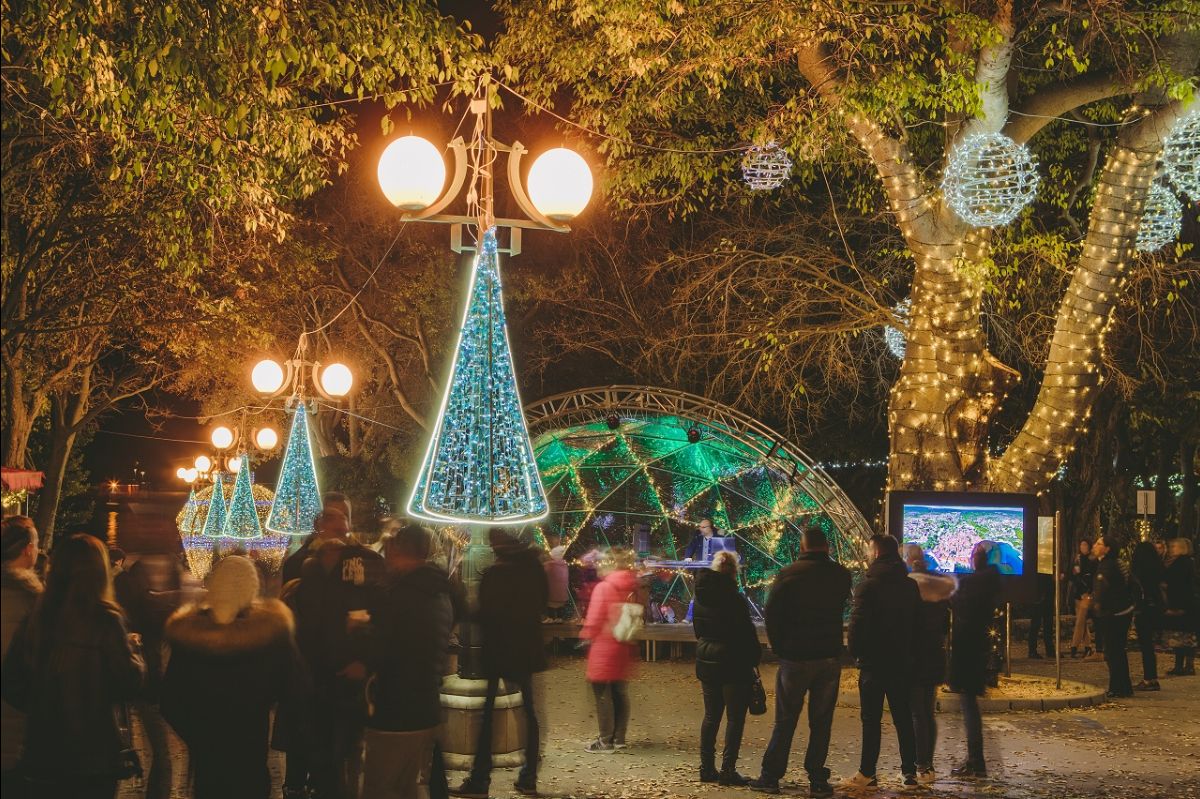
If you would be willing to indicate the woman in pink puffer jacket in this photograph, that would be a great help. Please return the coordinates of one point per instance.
(610, 662)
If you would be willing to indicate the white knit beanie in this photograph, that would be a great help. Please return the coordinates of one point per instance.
(232, 586)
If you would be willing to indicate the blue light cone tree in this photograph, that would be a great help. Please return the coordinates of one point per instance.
(214, 520)
(242, 520)
(297, 494)
(479, 464)
(191, 513)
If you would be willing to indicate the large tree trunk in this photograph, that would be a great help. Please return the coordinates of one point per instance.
(20, 413)
(64, 418)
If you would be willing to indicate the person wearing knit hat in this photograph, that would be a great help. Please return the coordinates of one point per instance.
(233, 657)
(19, 590)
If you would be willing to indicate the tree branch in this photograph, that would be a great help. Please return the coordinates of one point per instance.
(1058, 99)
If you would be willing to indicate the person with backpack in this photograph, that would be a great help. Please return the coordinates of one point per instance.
(612, 622)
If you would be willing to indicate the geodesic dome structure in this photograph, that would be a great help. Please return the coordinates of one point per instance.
(621, 463)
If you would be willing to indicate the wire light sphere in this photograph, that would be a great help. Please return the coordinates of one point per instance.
(893, 337)
(1162, 220)
(989, 178)
(1181, 155)
(766, 167)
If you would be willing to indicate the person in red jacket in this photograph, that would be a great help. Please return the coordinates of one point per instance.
(611, 662)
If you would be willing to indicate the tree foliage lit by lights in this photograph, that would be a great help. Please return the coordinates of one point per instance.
(868, 104)
(479, 464)
(297, 494)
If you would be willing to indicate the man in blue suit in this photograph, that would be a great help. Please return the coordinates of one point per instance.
(701, 546)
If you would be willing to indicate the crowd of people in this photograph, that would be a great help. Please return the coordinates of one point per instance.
(342, 671)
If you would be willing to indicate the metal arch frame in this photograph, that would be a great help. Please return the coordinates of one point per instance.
(594, 404)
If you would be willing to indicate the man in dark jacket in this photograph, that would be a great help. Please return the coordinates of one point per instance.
(512, 597)
(410, 635)
(974, 605)
(929, 663)
(883, 620)
(332, 522)
(804, 625)
(1114, 610)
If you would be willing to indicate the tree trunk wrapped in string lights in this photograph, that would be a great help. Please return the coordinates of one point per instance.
(479, 464)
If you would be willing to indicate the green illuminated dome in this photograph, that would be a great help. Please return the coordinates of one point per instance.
(617, 457)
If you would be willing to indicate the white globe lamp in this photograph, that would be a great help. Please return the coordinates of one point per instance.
(267, 376)
(203, 464)
(222, 437)
(235, 464)
(336, 379)
(266, 438)
(181, 472)
(560, 184)
(411, 173)
(190, 475)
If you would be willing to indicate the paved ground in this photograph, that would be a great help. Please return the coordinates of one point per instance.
(1145, 748)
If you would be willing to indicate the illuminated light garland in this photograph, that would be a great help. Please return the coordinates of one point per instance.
(214, 520)
(479, 464)
(1181, 155)
(1162, 219)
(766, 167)
(989, 178)
(894, 338)
(241, 522)
(297, 494)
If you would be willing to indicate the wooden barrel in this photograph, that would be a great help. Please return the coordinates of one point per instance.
(462, 718)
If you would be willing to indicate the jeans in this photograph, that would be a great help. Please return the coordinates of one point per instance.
(395, 762)
(1116, 636)
(820, 680)
(872, 689)
(923, 698)
(1080, 638)
(1148, 622)
(612, 710)
(481, 769)
(730, 700)
(973, 721)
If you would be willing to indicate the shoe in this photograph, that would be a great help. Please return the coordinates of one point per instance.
(969, 771)
(1118, 695)
(764, 785)
(860, 780)
(295, 793)
(927, 776)
(709, 774)
(732, 778)
(526, 788)
(1148, 685)
(908, 782)
(598, 747)
(471, 790)
(620, 745)
(819, 790)
(1074, 652)
(1035, 656)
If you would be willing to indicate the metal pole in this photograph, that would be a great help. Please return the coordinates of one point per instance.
(1007, 639)
(1057, 606)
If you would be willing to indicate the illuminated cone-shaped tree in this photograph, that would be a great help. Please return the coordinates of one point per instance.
(214, 521)
(190, 522)
(297, 495)
(479, 464)
(242, 520)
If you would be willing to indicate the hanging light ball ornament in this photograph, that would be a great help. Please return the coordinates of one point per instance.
(766, 167)
(1181, 155)
(989, 178)
(1162, 219)
(893, 337)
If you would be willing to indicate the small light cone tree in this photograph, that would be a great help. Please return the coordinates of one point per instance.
(241, 522)
(479, 465)
(214, 520)
(297, 494)
(189, 522)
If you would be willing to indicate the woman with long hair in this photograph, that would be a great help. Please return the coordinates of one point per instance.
(1183, 607)
(74, 664)
(1083, 572)
(1146, 576)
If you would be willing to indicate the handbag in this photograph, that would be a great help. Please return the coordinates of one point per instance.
(630, 620)
(758, 696)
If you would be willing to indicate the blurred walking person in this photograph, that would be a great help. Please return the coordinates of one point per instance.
(1182, 616)
(804, 616)
(1079, 581)
(410, 638)
(610, 661)
(883, 624)
(929, 667)
(19, 592)
(512, 598)
(727, 652)
(71, 662)
(974, 606)
(1147, 576)
(1114, 609)
(232, 658)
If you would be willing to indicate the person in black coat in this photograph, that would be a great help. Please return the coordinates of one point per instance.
(411, 622)
(1114, 609)
(883, 623)
(974, 606)
(727, 652)
(1079, 591)
(805, 615)
(1146, 577)
(929, 663)
(512, 597)
(1182, 616)
(232, 658)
